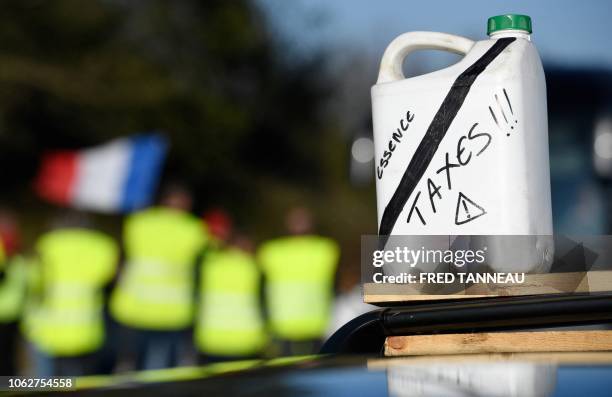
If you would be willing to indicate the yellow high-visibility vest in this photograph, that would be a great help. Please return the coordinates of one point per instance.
(155, 291)
(229, 320)
(299, 274)
(74, 266)
(12, 287)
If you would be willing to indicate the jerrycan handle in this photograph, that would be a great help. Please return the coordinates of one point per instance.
(396, 52)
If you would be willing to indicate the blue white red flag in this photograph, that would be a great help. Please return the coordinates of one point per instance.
(120, 176)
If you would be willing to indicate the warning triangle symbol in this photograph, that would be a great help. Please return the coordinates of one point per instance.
(467, 210)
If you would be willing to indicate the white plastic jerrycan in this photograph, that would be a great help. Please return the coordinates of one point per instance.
(464, 150)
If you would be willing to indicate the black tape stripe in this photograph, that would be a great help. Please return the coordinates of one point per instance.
(436, 131)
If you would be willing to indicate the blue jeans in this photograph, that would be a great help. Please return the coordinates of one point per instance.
(158, 349)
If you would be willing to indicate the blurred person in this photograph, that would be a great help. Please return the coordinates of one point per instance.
(229, 324)
(299, 274)
(154, 297)
(220, 226)
(10, 233)
(65, 322)
(12, 291)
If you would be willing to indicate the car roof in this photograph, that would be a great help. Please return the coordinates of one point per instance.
(554, 374)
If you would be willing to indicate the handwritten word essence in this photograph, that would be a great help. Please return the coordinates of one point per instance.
(396, 139)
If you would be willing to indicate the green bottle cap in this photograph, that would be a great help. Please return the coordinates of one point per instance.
(508, 22)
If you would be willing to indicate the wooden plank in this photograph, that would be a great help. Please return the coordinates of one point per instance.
(380, 299)
(499, 342)
(577, 358)
(535, 284)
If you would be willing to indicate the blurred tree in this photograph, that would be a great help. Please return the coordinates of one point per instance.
(208, 74)
(249, 124)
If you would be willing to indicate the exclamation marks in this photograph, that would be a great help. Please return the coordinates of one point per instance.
(467, 212)
(510, 107)
(500, 108)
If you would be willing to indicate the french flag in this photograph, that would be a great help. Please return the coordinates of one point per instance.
(120, 176)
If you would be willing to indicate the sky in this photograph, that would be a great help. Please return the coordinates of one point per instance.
(569, 33)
